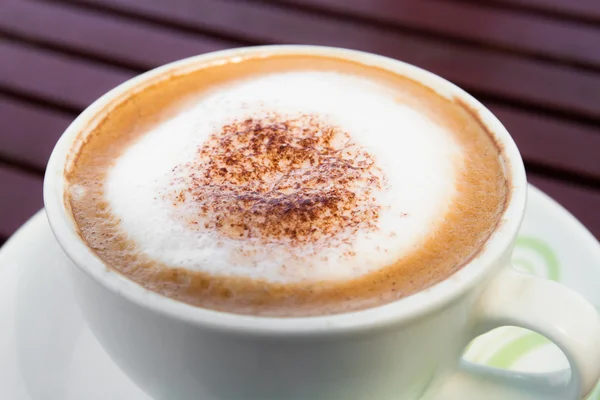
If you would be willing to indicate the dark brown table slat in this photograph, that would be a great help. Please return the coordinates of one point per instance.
(59, 79)
(551, 142)
(28, 133)
(111, 38)
(531, 35)
(542, 140)
(581, 202)
(20, 199)
(582, 9)
(480, 70)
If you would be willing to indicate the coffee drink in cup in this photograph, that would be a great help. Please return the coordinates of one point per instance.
(285, 185)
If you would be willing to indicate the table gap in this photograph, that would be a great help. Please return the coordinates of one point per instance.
(560, 174)
(21, 165)
(39, 101)
(69, 51)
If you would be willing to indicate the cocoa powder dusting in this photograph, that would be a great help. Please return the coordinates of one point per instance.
(275, 178)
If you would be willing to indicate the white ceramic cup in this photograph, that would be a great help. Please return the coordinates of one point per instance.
(409, 349)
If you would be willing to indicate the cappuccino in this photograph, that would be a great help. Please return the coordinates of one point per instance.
(286, 185)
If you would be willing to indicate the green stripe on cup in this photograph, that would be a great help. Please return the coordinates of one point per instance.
(595, 395)
(481, 357)
(513, 351)
(544, 251)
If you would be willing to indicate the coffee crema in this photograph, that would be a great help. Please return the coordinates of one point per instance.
(286, 185)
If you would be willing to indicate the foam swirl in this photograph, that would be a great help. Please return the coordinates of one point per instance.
(288, 177)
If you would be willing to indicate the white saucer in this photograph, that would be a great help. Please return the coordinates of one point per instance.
(48, 353)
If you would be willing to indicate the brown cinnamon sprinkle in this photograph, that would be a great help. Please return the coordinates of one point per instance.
(276, 178)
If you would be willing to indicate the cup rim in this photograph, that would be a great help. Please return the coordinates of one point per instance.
(397, 312)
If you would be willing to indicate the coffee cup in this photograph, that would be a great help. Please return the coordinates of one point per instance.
(404, 348)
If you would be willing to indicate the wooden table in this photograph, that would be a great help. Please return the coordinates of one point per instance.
(535, 63)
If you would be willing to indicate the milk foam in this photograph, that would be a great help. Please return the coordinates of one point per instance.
(418, 157)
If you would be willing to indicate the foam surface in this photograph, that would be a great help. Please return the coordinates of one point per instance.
(417, 160)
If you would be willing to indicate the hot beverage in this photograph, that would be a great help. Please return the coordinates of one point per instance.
(286, 185)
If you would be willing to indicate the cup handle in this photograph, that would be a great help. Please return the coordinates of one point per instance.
(543, 306)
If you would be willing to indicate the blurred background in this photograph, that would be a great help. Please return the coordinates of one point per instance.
(534, 63)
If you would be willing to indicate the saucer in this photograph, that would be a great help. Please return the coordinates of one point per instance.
(48, 353)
